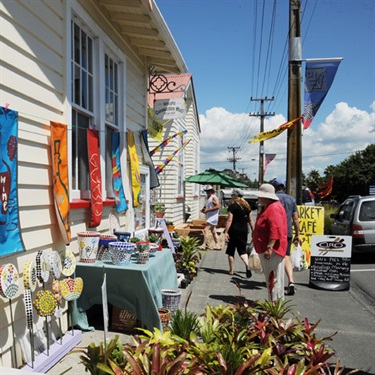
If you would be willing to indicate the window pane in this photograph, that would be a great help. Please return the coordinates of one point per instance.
(111, 91)
(108, 162)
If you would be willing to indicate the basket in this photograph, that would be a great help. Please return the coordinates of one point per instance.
(171, 299)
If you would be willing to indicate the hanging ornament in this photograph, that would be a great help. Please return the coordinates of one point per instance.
(28, 309)
(29, 275)
(42, 266)
(9, 280)
(55, 265)
(68, 263)
(45, 303)
(71, 289)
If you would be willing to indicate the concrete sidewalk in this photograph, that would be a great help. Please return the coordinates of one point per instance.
(341, 312)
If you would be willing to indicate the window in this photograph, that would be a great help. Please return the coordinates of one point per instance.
(82, 111)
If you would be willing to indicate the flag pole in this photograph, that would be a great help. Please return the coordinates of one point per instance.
(294, 138)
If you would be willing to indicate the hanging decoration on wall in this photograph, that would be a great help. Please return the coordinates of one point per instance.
(59, 150)
(42, 266)
(135, 170)
(118, 188)
(160, 167)
(95, 177)
(9, 280)
(155, 127)
(29, 275)
(166, 141)
(68, 261)
(10, 234)
(154, 180)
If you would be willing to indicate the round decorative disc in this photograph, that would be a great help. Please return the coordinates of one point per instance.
(45, 303)
(71, 289)
(55, 264)
(68, 263)
(56, 291)
(28, 309)
(29, 275)
(42, 266)
(9, 280)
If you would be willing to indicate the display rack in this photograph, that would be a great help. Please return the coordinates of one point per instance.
(167, 235)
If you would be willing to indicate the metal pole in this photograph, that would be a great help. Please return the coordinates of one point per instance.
(294, 142)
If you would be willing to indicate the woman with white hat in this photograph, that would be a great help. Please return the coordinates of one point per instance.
(270, 240)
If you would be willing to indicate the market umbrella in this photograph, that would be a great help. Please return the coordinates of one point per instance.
(213, 177)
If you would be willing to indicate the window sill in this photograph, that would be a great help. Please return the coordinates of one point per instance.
(82, 203)
(180, 199)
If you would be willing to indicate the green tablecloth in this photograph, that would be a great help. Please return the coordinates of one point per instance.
(134, 287)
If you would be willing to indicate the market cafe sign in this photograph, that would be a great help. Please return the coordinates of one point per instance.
(169, 109)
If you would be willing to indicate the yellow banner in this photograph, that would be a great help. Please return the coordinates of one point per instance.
(155, 127)
(135, 170)
(275, 132)
(311, 221)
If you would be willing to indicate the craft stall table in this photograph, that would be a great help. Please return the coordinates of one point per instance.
(134, 287)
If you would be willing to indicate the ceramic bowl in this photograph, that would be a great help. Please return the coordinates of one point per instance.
(121, 252)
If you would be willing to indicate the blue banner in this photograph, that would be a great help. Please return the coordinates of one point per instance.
(319, 75)
(118, 188)
(10, 234)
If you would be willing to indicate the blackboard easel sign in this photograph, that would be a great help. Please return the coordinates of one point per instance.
(330, 262)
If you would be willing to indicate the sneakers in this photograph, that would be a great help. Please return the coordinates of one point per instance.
(291, 290)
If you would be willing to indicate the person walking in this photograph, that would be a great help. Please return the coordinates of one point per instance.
(211, 210)
(270, 240)
(290, 206)
(236, 230)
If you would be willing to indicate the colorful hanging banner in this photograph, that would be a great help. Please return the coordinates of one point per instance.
(155, 127)
(325, 189)
(154, 180)
(267, 160)
(95, 177)
(10, 234)
(59, 149)
(160, 167)
(166, 141)
(135, 170)
(118, 189)
(275, 132)
(319, 75)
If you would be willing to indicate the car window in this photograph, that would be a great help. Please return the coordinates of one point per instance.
(367, 211)
(345, 211)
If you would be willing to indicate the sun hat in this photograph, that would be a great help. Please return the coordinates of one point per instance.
(278, 182)
(209, 187)
(266, 191)
(237, 193)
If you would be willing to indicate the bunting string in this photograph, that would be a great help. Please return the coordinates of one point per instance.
(166, 141)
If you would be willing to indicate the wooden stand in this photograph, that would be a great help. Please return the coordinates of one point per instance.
(162, 223)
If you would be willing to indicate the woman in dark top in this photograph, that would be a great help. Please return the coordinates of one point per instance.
(236, 230)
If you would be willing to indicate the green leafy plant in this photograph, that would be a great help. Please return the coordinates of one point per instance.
(169, 222)
(176, 235)
(190, 254)
(153, 238)
(134, 239)
(159, 207)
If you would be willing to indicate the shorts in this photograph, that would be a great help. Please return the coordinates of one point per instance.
(239, 242)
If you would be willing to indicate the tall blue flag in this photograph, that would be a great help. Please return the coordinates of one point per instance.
(10, 233)
(319, 75)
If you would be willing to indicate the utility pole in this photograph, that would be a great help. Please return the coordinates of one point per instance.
(233, 159)
(262, 115)
(294, 146)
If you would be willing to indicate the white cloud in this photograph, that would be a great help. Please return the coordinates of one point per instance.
(346, 130)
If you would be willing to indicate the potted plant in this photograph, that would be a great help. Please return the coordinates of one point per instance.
(191, 255)
(134, 239)
(159, 209)
(170, 226)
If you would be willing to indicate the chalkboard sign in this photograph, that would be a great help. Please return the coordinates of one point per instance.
(330, 262)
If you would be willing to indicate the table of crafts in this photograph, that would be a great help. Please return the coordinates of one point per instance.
(134, 287)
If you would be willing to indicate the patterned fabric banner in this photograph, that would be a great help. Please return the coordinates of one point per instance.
(95, 177)
(59, 149)
(319, 75)
(165, 142)
(275, 132)
(325, 189)
(134, 164)
(154, 180)
(118, 188)
(160, 167)
(155, 127)
(10, 234)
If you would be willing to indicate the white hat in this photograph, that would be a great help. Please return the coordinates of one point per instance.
(266, 191)
(209, 187)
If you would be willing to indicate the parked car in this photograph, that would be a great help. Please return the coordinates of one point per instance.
(307, 197)
(356, 217)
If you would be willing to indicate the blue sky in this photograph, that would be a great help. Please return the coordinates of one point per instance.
(225, 50)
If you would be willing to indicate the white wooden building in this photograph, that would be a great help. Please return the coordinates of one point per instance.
(82, 63)
(180, 198)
